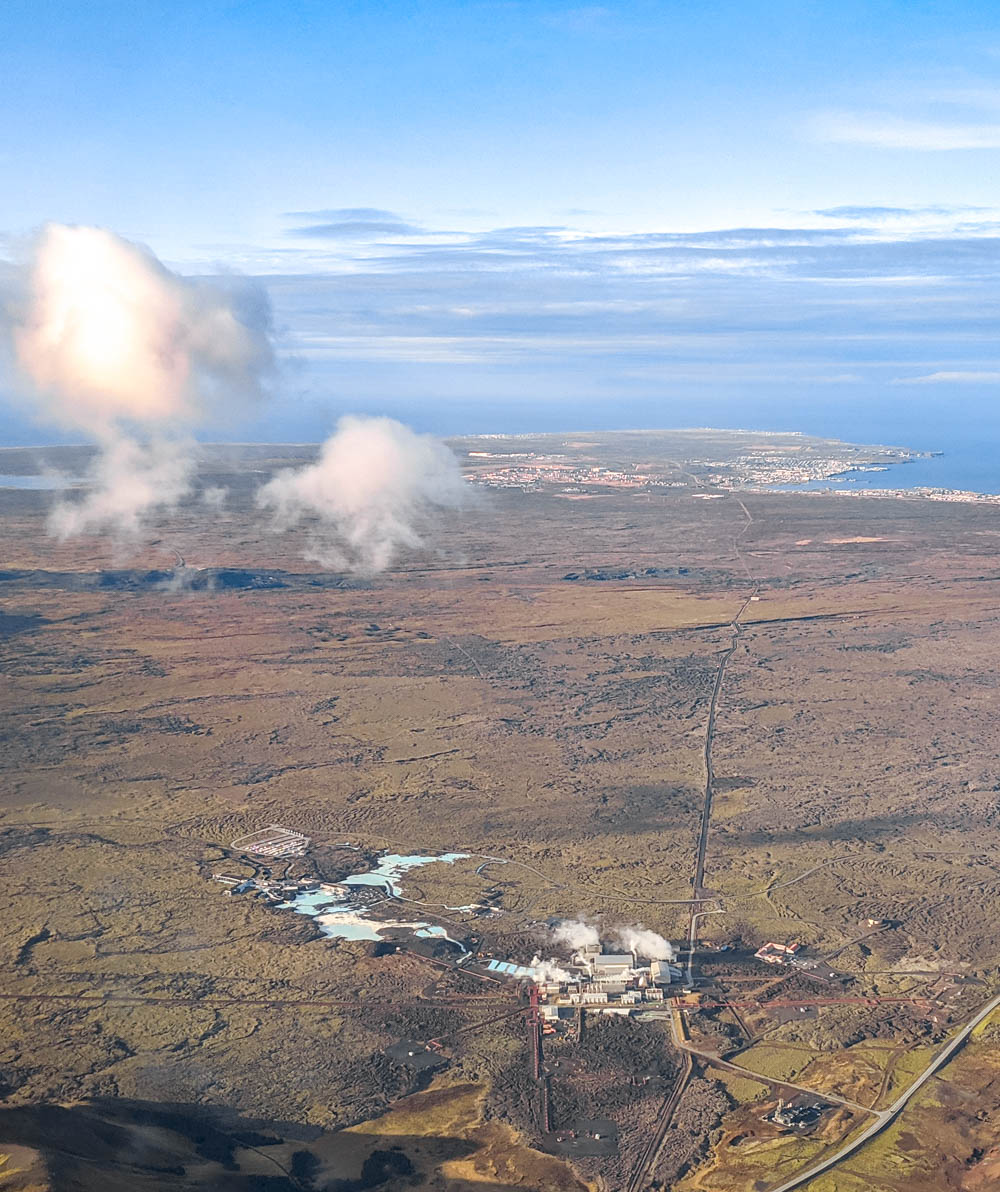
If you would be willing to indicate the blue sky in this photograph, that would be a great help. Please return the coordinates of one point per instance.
(516, 215)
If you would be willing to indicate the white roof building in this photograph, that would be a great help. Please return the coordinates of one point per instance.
(662, 973)
(610, 965)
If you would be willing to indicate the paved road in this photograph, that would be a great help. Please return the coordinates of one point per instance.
(713, 707)
(885, 1116)
(698, 883)
(710, 1057)
(882, 1117)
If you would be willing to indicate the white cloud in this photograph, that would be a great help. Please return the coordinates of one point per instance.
(127, 482)
(108, 334)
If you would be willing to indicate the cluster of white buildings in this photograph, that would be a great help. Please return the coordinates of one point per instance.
(531, 473)
(613, 981)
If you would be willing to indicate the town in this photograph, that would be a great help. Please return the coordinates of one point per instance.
(760, 469)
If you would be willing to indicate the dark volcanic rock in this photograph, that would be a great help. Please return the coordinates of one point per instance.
(186, 579)
(599, 574)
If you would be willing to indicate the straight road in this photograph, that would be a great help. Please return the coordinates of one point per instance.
(698, 882)
(713, 707)
(651, 1152)
(882, 1117)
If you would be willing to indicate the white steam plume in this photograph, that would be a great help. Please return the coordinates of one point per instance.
(128, 479)
(646, 944)
(575, 933)
(549, 970)
(113, 344)
(370, 494)
(214, 497)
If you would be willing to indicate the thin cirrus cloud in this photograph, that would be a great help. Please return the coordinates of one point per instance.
(881, 131)
(351, 223)
(345, 213)
(878, 215)
(951, 378)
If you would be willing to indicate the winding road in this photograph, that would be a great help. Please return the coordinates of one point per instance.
(885, 1116)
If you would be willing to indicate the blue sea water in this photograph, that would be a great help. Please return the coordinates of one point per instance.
(964, 436)
(964, 433)
(965, 440)
(962, 467)
(964, 428)
(47, 482)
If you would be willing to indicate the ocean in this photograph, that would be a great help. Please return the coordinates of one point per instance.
(960, 466)
(965, 430)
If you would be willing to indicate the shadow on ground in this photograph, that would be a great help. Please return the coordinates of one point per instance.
(134, 1146)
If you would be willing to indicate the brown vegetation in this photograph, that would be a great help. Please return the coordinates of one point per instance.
(484, 702)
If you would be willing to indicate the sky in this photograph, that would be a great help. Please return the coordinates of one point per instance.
(516, 216)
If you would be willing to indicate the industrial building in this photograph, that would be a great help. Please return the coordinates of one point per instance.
(792, 1115)
(661, 972)
(609, 982)
(609, 966)
(772, 953)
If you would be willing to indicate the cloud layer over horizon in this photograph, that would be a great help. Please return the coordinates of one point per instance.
(536, 327)
(787, 327)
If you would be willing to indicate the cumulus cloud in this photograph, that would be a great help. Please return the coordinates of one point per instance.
(575, 933)
(371, 494)
(646, 944)
(110, 342)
